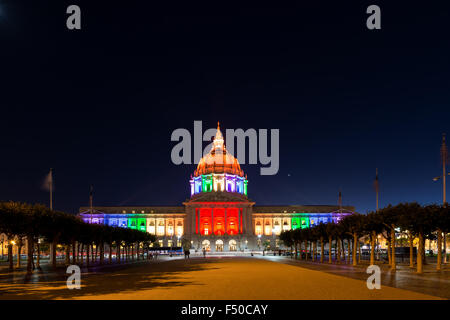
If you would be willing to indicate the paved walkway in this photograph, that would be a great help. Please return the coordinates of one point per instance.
(221, 278)
(430, 282)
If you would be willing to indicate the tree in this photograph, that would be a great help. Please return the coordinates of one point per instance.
(331, 230)
(287, 239)
(372, 226)
(353, 226)
(320, 231)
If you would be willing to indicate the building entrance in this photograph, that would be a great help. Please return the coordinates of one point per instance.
(233, 245)
(219, 245)
(206, 245)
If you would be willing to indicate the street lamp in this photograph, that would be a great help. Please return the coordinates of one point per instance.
(273, 235)
(259, 241)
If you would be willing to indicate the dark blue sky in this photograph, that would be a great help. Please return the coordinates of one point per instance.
(99, 105)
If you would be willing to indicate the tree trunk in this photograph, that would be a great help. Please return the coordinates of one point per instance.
(313, 251)
(394, 264)
(296, 251)
(137, 251)
(330, 242)
(439, 249)
(81, 252)
(30, 247)
(88, 248)
(359, 252)
(118, 253)
(110, 253)
(445, 247)
(424, 257)
(38, 256)
(348, 251)
(372, 248)
(10, 257)
(19, 250)
(96, 252)
(411, 250)
(67, 255)
(389, 253)
(53, 252)
(355, 245)
(322, 249)
(338, 256)
(306, 250)
(74, 252)
(419, 254)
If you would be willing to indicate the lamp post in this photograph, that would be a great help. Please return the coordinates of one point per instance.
(273, 235)
(444, 158)
(259, 241)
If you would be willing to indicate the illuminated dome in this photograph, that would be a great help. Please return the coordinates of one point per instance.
(218, 160)
(218, 171)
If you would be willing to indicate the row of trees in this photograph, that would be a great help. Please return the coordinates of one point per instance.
(83, 242)
(412, 220)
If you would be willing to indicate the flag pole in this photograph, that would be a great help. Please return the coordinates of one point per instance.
(90, 199)
(376, 181)
(376, 191)
(444, 155)
(51, 188)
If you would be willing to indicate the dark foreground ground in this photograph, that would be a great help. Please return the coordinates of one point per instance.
(222, 278)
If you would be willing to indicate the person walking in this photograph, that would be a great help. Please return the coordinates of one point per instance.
(204, 252)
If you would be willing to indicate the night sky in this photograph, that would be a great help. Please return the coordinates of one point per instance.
(99, 104)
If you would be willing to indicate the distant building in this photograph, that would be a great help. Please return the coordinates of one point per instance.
(219, 216)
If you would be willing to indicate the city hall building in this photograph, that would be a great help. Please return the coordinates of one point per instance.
(219, 216)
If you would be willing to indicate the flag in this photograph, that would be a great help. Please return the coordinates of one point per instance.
(444, 151)
(48, 181)
(340, 199)
(91, 191)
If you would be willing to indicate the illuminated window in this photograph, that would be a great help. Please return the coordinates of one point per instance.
(132, 211)
(151, 227)
(179, 228)
(268, 228)
(258, 228)
(206, 245)
(170, 228)
(233, 245)
(160, 243)
(169, 243)
(160, 228)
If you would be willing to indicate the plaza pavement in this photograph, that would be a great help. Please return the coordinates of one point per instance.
(221, 278)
